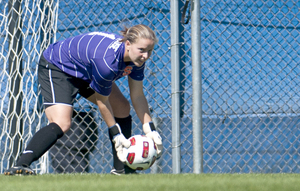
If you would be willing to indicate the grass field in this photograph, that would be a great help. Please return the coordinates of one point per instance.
(153, 182)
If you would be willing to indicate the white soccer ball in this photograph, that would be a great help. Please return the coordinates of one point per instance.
(141, 154)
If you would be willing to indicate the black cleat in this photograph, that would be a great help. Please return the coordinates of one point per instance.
(129, 170)
(19, 170)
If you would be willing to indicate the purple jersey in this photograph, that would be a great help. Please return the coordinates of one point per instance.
(95, 57)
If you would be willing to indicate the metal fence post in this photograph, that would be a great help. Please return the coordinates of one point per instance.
(175, 65)
(197, 88)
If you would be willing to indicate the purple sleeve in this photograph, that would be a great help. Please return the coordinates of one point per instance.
(138, 73)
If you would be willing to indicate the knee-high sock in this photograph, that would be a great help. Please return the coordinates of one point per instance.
(40, 143)
(126, 126)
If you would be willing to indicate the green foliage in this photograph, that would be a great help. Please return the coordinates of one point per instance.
(152, 182)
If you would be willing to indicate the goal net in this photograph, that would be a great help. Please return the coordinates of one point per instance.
(27, 28)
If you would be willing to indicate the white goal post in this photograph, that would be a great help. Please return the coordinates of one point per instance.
(27, 27)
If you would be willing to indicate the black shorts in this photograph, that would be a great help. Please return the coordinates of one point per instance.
(58, 87)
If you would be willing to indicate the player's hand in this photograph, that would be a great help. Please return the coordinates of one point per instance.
(119, 141)
(149, 130)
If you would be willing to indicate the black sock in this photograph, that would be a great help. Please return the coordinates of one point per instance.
(125, 125)
(40, 143)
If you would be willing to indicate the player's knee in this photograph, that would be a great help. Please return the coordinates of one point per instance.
(64, 125)
(125, 108)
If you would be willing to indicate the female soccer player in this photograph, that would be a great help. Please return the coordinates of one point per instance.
(89, 64)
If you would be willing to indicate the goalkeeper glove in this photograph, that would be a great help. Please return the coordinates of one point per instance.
(150, 131)
(119, 141)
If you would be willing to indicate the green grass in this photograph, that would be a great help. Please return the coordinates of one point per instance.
(153, 182)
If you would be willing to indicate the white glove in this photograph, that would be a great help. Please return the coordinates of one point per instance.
(149, 130)
(119, 141)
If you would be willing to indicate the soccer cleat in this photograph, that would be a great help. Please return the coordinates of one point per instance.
(127, 170)
(117, 172)
(19, 170)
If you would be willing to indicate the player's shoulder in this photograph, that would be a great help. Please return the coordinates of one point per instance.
(105, 34)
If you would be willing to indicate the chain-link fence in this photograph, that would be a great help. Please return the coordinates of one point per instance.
(250, 83)
(250, 57)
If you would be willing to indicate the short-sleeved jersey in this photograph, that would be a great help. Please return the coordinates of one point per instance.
(96, 57)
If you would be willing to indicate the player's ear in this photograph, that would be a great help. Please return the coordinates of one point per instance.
(127, 43)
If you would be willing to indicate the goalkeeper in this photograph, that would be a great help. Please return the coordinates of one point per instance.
(89, 64)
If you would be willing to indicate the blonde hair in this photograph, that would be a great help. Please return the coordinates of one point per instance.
(136, 32)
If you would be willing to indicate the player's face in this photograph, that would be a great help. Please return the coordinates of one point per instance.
(139, 51)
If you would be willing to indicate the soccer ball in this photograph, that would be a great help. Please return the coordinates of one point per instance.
(141, 154)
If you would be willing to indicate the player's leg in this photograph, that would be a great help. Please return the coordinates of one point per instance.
(121, 109)
(43, 139)
(59, 117)
(126, 127)
(120, 105)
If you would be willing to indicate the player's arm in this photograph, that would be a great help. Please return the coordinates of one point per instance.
(141, 108)
(139, 101)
